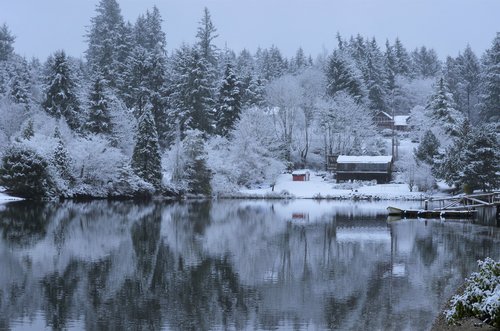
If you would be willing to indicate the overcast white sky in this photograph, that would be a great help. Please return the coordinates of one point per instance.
(43, 26)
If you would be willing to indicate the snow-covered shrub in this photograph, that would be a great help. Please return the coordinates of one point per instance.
(24, 172)
(481, 297)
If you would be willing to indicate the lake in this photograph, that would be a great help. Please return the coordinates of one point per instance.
(237, 265)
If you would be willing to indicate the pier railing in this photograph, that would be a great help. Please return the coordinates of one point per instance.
(466, 201)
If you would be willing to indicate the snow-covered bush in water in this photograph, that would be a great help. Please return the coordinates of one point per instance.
(24, 172)
(481, 297)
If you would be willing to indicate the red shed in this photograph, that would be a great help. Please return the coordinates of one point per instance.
(300, 175)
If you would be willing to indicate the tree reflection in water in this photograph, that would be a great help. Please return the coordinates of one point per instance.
(229, 265)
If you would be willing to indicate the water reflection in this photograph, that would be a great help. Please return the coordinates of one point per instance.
(229, 265)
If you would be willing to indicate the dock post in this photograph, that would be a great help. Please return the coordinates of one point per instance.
(426, 204)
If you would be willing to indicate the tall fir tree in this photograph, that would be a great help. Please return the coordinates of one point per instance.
(99, 118)
(426, 62)
(403, 60)
(374, 77)
(441, 107)
(342, 76)
(108, 42)
(60, 91)
(146, 159)
(20, 82)
(469, 74)
(428, 148)
(6, 43)
(197, 172)
(206, 34)
(490, 96)
(60, 157)
(229, 104)
(192, 93)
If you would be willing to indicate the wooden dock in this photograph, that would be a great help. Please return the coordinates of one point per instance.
(458, 207)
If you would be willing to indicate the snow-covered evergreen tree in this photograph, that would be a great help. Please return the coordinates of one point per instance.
(426, 62)
(490, 96)
(403, 60)
(441, 107)
(99, 118)
(206, 34)
(20, 82)
(24, 172)
(342, 76)
(60, 157)
(374, 77)
(146, 159)
(197, 173)
(28, 131)
(6, 43)
(192, 92)
(229, 104)
(252, 91)
(482, 159)
(469, 74)
(108, 41)
(428, 148)
(60, 98)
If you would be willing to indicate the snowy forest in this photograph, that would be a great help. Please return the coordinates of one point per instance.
(129, 119)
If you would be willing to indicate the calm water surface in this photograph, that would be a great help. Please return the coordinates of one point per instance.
(237, 265)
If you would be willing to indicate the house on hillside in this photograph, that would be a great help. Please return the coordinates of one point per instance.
(401, 122)
(383, 120)
(377, 168)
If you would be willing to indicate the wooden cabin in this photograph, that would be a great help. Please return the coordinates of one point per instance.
(301, 175)
(401, 122)
(377, 168)
(383, 120)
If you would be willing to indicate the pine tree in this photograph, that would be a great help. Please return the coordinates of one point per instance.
(60, 95)
(198, 174)
(108, 42)
(469, 74)
(61, 158)
(28, 131)
(490, 96)
(341, 76)
(206, 34)
(252, 92)
(192, 93)
(374, 77)
(229, 105)
(99, 119)
(426, 62)
(20, 83)
(146, 159)
(428, 148)
(390, 64)
(482, 160)
(6, 43)
(24, 172)
(403, 61)
(441, 107)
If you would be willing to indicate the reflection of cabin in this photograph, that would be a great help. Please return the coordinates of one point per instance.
(300, 175)
(377, 168)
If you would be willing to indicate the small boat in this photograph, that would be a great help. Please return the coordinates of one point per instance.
(414, 213)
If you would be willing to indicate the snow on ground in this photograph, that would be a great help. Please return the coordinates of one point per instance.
(318, 187)
(4, 197)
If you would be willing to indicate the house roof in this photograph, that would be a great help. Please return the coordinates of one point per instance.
(385, 114)
(364, 159)
(401, 120)
(300, 172)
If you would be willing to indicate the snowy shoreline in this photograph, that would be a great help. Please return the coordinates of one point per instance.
(320, 189)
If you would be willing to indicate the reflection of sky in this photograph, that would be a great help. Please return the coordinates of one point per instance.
(339, 264)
